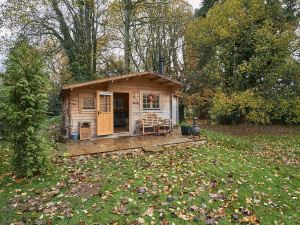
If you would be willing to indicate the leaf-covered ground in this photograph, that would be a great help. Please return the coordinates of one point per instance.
(241, 180)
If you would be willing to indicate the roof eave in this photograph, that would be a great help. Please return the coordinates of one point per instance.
(104, 80)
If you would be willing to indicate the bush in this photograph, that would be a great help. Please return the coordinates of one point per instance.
(246, 107)
(24, 109)
(198, 104)
(286, 111)
(55, 103)
(54, 130)
(295, 111)
(240, 108)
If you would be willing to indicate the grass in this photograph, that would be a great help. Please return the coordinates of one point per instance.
(250, 179)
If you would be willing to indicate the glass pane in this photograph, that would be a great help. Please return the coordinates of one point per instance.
(88, 103)
(147, 104)
(105, 103)
(156, 102)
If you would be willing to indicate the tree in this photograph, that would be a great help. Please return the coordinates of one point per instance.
(121, 35)
(244, 47)
(154, 30)
(76, 25)
(291, 10)
(205, 7)
(249, 45)
(24, 107)
(128, 7)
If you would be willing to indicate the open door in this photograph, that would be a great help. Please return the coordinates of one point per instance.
(121, 112)
(105, 124)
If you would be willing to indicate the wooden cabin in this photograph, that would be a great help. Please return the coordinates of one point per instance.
(114, 105)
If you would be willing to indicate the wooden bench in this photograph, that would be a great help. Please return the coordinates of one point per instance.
(154, 123)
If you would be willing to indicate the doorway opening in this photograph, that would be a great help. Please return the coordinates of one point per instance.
(121, 112)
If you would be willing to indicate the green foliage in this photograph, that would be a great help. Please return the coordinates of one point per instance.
(184, 124)
(2, 97)
(198, 102)
(244, 47)
(24, 109)
(205, 7)
(55, 103)
(54, 130)
(72, 24)
(231, 175)
(286, 111)
(247, 107)
(154, 29)
(238, 108)
(248, 47)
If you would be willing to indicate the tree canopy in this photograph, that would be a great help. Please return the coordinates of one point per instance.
(246, 45)
(240, 46)
(105, 37)
(227, 46)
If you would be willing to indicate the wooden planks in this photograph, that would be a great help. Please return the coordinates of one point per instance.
(104, 113)
(135, 87)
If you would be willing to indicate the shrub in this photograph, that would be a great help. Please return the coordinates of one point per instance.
(286, 111)
(198, 103)
(240, 107)
(295, 111)
(54, 130)
(55, 103)
(24, 109)
(246, 107)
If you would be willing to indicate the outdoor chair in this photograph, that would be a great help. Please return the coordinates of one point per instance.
(150, 123)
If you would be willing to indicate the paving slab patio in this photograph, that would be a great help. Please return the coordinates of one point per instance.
(147, 143)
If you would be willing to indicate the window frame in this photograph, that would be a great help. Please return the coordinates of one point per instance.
(108, 107)
(81, 101)
(150, 109)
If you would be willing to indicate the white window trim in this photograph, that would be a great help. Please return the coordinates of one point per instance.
(149, 109)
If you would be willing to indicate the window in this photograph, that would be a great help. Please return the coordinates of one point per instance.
(88, 103)
(151, 101)
(105, 103)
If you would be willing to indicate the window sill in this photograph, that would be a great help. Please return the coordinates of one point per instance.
(87, 110)
(152, 110)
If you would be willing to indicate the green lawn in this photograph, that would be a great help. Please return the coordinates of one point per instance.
(248, 180)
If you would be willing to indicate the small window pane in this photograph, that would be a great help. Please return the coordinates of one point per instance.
(88, 103)
(150, 101)
(105, 103)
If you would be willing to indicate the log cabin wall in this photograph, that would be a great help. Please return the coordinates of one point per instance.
(175, 110)
(135, 87)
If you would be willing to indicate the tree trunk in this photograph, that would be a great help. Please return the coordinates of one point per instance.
(88, 48)
(127, 44)
(94, 41)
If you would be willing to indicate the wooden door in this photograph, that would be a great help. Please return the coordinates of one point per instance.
(105, 123)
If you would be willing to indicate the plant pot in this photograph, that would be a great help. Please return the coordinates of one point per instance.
(189, 130)
(183, 130)
(75, 136)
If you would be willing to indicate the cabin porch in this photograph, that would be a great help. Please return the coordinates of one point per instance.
(119, 143)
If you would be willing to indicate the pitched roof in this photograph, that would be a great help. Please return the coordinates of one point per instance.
(153, 76)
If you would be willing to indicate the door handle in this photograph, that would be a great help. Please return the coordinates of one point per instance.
(98, 112)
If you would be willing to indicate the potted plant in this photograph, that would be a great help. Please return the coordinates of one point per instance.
(189, 130)
(186, 129)
(183, 128)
